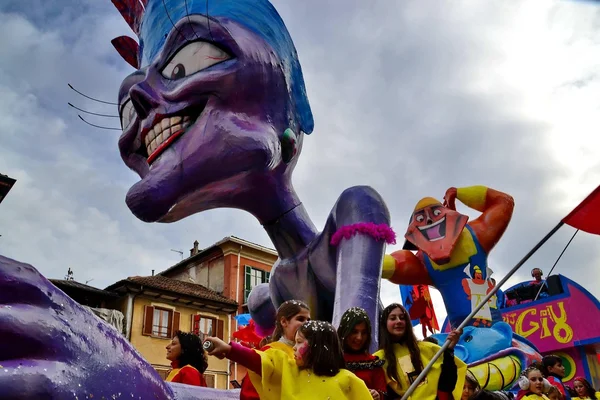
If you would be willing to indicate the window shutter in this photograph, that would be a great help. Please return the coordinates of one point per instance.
(220, 329)
(248, 285)
(148, 319)
(176, 317)
(196, 324)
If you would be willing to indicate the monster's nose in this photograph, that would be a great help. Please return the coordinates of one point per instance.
(142, 99)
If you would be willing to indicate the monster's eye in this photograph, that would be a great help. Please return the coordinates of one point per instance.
(420, 218)
(192, 58)
(127, 114)
(437, 212)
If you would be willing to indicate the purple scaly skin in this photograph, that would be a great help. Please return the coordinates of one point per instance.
(231, 156)
(53, 348)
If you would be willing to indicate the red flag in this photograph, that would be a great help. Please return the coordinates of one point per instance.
(586, 216)
(247, 334)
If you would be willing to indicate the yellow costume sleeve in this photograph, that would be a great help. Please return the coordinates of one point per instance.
(472, 196)
(427, 389)
(535, 397)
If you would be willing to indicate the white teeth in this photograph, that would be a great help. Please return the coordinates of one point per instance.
(163, 130)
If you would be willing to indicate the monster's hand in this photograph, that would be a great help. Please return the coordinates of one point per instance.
(53, 348)
(450, 198)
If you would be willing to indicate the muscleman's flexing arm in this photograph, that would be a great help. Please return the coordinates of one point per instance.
(496, 208)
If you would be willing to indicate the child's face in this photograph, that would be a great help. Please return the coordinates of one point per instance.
(291, 326)
(300, 349)
(579, 388)
(396, 323)
(553, 395)
(358, 337)
(557, 369)
(536, 382)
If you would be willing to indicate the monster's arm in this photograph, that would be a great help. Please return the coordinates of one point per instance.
(496, 208)
(404, 268)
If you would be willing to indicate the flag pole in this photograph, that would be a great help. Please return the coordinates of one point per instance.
(554, 266)
(479, 307)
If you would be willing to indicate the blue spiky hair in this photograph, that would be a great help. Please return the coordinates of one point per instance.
(150, 21)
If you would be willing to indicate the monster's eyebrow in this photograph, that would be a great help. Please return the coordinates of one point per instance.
(196, 28)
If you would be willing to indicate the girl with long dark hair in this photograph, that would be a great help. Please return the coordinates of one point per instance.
(405, 358)
(355, 335)
(584, 389)
(188, 359)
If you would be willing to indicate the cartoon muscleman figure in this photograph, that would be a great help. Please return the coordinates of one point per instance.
(446, 244)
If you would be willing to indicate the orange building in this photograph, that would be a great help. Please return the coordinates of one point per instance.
(231, 268)
(155, 307)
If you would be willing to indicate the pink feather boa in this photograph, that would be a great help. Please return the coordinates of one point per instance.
(377, 232)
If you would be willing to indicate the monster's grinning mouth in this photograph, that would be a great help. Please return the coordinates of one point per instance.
(435, 231)
(165, 132)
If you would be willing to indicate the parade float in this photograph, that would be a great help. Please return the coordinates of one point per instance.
(214, 115)
(565, 323)
(556, 316)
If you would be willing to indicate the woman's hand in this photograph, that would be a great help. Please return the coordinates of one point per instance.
(375, 394)
(220, 348)
(454, 337)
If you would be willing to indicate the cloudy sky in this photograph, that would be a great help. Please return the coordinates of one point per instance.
(410, 97)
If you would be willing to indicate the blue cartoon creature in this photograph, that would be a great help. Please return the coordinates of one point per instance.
(495, 355)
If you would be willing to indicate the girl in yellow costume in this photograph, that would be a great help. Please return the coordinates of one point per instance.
(316, 372)
(290, 315)
(405, 359)
(533, 382)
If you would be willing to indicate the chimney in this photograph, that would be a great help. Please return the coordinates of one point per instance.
(194, 251)
(152, 272)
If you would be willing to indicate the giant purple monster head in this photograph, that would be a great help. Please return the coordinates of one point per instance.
(215, 114)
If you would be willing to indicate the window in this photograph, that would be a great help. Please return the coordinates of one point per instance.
(160, 322)
(207, 326)
(211, 380)
(254, 277)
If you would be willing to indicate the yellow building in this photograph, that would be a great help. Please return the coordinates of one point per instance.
(156, 306)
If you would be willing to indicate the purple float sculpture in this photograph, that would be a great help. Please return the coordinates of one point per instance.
(214, 116)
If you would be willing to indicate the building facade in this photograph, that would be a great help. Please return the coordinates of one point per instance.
(230, 267)
(155, 307)
(201, 294)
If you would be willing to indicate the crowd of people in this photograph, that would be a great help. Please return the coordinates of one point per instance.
(543, 380)
(311, 359)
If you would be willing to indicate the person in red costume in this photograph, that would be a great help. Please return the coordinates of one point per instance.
(355, 335)
(290, 316)
(188, 359)
(449, 250)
